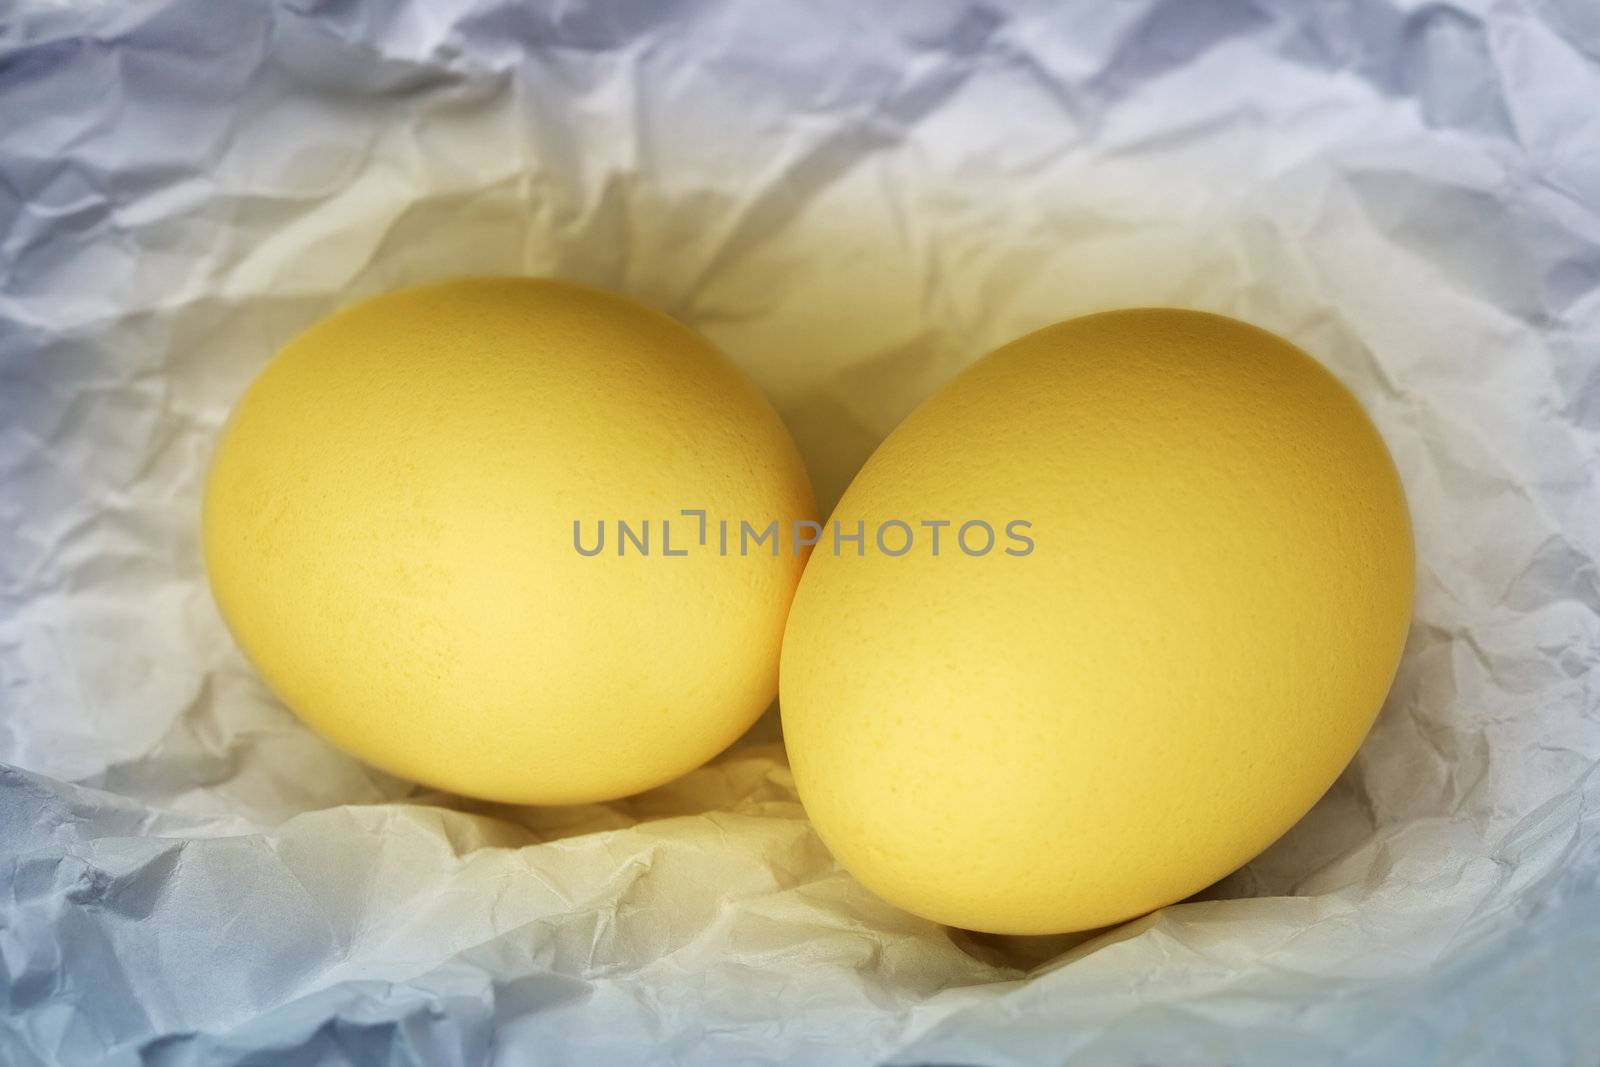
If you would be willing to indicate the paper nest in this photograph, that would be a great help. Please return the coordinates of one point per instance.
(853, 202)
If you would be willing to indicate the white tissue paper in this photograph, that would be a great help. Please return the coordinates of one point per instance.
(854, 201)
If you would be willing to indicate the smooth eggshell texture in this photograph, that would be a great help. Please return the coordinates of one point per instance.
(1211, 615)
(388, 531)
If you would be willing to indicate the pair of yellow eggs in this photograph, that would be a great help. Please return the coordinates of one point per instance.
(1095, 625)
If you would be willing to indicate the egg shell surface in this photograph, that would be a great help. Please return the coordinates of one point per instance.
(388, 528)
(1211, 613)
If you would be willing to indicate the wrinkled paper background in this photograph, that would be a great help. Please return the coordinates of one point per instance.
(853, 200)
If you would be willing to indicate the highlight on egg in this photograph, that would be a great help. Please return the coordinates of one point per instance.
(388, 521)
(1209, 620)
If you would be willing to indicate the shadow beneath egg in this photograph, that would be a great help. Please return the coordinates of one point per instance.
(1018, 952)
(751, 779)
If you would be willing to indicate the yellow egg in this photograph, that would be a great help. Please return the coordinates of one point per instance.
(389, 531)
(1194, 602)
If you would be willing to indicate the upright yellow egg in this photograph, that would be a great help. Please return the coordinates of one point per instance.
(401, 523)
(1187, 611)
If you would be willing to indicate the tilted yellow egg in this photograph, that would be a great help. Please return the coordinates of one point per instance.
(1186, 614)
(389, 531)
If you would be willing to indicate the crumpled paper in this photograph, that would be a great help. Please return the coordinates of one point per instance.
(853, 201)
